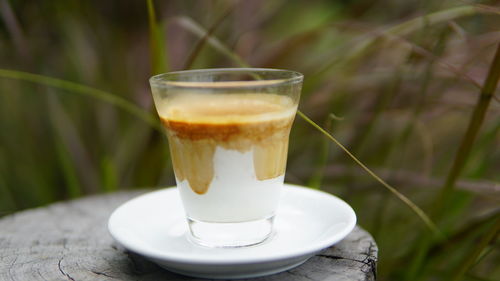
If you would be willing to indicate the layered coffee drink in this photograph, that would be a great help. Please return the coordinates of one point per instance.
(228, 132)
(229, 152)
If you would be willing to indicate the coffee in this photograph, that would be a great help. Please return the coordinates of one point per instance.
(228, 132)
(229, 152)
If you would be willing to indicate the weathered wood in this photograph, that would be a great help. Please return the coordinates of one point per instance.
(69, 241)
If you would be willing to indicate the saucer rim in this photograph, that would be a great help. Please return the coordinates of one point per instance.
(270, 257)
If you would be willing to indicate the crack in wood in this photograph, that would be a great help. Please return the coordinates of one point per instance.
(372, 250)
(371, 258)
(367, 261)
(103, 273)
(332, 257)
(62, 271)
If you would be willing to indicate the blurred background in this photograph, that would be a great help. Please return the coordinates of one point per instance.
(396, 82)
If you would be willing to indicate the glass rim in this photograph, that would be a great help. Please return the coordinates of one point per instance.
(161, 80)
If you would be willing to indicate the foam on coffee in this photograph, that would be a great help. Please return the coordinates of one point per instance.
(197, 124)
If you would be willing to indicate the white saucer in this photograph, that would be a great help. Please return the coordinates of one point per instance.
(307, 221)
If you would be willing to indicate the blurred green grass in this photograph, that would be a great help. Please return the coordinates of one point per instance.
(404, 78)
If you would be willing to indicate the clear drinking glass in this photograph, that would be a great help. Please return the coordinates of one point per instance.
(228, 134)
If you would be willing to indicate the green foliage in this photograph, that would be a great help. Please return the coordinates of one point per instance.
(157, 42)
(405, 78)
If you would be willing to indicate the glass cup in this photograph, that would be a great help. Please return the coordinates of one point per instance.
(228, 135)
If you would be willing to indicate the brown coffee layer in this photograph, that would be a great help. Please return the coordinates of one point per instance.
(192, 160)
(252, 123)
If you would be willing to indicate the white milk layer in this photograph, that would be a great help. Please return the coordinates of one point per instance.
(235, 194)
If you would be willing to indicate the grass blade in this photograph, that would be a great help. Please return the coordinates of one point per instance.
(441, 203)
(109, 176)
(317, 178)
(84, 90)
(199, 46)
(419, 212)
(475, 123)
(66, 138)
(198, 30)
(465, 233)
(14, 28)
(361, 48)
(485, 241)
(157, 42)
(73, 188)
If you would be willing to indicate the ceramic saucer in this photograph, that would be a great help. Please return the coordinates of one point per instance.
(307, 221)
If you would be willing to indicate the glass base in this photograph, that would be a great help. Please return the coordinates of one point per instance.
(230, 235)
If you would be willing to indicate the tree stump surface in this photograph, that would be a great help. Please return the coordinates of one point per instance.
(70, 241)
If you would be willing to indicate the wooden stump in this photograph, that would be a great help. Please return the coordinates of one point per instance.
(70, 241)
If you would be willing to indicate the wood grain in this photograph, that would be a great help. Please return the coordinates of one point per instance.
(69, 241)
